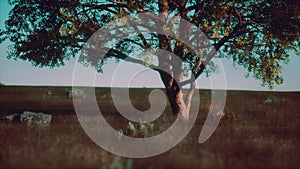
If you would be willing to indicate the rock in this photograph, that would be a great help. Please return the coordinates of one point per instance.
(131, 130)
(31, 118)
(76, 94)
(272, 100)
(35, 118)
(137, 130)
(12, 117)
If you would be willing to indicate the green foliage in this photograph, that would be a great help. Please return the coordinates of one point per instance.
(267, 32)
(257, 35)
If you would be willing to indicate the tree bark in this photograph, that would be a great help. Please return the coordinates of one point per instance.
(170, 66)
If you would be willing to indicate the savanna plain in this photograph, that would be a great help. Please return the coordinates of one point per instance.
(258, 130)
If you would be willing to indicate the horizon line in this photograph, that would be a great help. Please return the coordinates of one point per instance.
(141, 87)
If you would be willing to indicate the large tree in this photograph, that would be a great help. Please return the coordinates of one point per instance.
(256, 34)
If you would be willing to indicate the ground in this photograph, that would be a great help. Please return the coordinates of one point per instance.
(258, 130)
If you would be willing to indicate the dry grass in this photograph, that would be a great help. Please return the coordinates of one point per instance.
(259, 136)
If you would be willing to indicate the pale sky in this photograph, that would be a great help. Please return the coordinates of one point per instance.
(130, 75)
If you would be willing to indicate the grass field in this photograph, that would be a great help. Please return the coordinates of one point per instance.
(264, 132)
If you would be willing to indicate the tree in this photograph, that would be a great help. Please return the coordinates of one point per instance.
(255, 34)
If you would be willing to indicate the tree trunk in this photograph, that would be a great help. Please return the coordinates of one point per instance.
(170, 65)
(174, 92)
(178, 104)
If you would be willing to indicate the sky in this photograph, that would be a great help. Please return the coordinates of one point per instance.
(18, 72)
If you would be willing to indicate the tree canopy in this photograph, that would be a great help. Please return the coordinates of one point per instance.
(256, 34)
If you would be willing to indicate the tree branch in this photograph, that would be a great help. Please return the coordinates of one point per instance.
(121, 55)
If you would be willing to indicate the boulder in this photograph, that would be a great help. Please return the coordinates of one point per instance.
(76, 94)
(30, 118)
